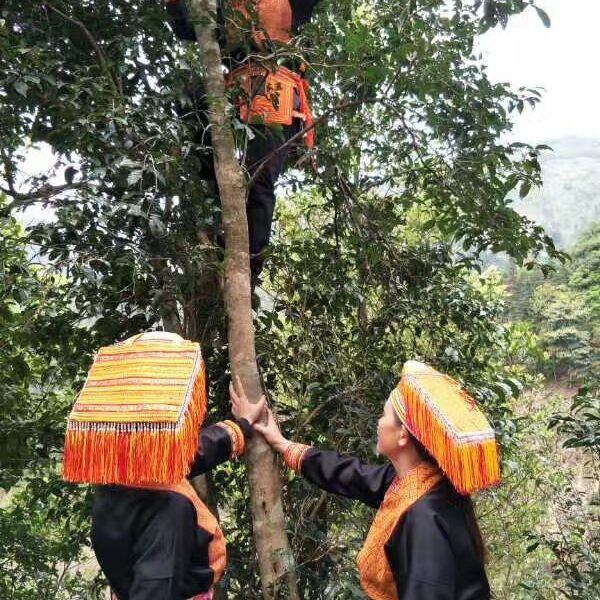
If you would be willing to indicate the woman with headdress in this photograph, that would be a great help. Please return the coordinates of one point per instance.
(135, 432)
(424, 543)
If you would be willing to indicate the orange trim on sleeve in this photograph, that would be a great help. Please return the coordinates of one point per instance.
(294, 455)
(238, 440)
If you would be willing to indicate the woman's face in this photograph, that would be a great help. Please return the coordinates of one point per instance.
(389, 431)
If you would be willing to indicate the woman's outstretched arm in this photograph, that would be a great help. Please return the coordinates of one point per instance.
(333, 472)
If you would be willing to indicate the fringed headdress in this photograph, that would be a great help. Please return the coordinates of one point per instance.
(138, 416)
(447, 421)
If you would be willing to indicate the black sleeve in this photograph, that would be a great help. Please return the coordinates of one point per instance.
(421, 558)
(179, 20)
(215, 447)
(347, 476)
(302, 11)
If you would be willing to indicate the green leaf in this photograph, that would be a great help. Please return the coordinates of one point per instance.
(503, 390)
(543, 15)
(21, 87)
(515, 385)
(525, 189)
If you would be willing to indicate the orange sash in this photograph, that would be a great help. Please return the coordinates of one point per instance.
(376, 577)
(217, 552)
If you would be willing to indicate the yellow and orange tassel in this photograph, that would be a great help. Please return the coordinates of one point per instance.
(470, 466)
(104, 453)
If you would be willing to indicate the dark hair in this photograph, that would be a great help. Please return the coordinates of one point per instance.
(465, 502)
(422, 451)
(473, 525)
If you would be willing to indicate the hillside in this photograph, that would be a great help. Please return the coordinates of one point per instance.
(569, 199)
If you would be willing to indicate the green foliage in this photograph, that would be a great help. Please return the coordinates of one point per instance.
(44, 527)
(419, 64)
(511, 515)
(581, 427)
(563, 311)
(585, 276)
(43, 347)
(575, 541)
(497, 12)
(525, 352)
(575, 546)
(374, 262)
(564, 329)
(571, 551)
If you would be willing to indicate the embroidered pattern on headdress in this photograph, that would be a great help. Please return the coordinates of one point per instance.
(138, 416)
(447, 421)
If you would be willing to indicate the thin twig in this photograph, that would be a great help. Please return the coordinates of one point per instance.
(23, 200)
(116, 83)
(299, 134)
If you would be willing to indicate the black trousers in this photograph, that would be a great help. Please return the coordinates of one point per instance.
(265, 157)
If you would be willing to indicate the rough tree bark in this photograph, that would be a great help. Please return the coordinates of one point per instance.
(275, 559)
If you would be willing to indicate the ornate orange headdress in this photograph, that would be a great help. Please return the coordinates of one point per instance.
(137, 419)
(447, 421)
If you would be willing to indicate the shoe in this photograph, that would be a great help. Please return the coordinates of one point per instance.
(255, 301)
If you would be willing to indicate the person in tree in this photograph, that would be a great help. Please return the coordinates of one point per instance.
(135, 432)
(272, 97)
(424, 543)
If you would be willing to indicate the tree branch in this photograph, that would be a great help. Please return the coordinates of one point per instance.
(338, 107)
(116, 83)
(47, 191)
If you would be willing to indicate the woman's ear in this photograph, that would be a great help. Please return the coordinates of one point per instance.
(403, 437)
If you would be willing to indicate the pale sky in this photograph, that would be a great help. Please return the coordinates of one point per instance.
(564, 59)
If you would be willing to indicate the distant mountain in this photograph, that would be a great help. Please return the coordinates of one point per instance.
(570, 197)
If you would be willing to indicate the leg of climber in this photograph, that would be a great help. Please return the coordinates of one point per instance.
(265, 161)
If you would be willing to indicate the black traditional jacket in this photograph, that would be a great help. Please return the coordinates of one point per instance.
(431, 551)
(148, 542)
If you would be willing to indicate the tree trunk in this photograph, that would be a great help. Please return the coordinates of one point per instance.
(275, 559)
